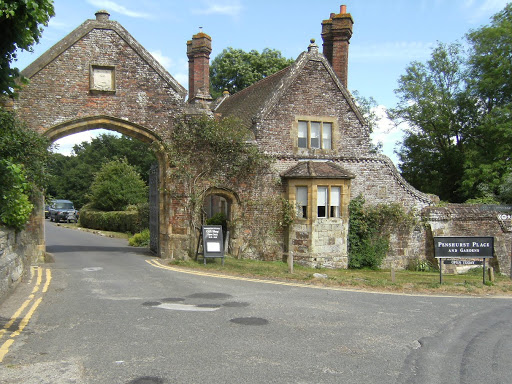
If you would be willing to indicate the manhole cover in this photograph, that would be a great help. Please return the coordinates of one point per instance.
(250, 321)
(92, 269)
(147, 380)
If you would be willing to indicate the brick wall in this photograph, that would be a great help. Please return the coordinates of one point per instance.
(61, 90)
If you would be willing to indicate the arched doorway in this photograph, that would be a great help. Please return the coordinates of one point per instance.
(221, 207)
(157, 201)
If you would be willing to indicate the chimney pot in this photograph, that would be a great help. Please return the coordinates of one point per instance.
(102, 15)
(343, 9)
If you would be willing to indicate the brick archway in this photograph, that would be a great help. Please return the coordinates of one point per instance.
(137, 132)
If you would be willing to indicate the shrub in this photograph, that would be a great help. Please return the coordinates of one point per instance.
(369, 229)
(15, 206)
(115, 221)
(116, 186)
(218, 219)
(140, 239)
(23, 157)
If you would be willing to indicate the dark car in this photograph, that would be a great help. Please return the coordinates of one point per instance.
(63, 210)
(46, 211)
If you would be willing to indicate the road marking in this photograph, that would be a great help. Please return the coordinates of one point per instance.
(157, 264)
(4, 348)
(186, 307)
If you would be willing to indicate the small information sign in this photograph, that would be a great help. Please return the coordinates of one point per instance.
(459, 251)
(477, 247)
(213, 242)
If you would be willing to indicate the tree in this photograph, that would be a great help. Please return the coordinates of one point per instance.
(458, 107)
(71, 176)
(490, 82)
(116, 186)
(435, 104)
(23, 158)
(235, 69)
(20, 28)
(367, 106)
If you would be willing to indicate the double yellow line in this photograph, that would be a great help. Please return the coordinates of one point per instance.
(31, 302)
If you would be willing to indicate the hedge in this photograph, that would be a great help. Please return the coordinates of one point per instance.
(133, 220)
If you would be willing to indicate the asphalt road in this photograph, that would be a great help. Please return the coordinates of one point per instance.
(109, 313)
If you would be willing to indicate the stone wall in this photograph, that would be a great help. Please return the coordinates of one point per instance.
(474, 220)
(18, 250)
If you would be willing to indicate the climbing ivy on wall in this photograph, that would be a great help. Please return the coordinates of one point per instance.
(205, 153)
(369, 230)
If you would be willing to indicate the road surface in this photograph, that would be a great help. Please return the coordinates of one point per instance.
(104, 312)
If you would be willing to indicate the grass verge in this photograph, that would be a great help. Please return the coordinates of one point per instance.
(410, 282)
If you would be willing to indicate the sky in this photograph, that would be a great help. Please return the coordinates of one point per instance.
(387, 36)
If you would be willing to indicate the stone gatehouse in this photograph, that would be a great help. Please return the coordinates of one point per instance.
(304, 117)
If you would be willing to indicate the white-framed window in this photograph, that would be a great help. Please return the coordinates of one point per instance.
(301, 198)
(328, 201)
(334, 202)
(314, 134)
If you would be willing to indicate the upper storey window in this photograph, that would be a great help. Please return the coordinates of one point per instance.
(314, 134)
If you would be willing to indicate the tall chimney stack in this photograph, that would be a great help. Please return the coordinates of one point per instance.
(336, 34)
(198, 53)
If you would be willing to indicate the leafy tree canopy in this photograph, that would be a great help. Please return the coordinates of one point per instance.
(234, 69)
(23, 158)
(117, 185)
(71, 176)
(23, 146)
(20, 28)
(457, 107)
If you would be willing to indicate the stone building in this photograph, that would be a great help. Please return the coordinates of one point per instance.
(303, 117)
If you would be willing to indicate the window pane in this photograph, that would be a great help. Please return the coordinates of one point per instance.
(322, 201)
(335, 201)
(335, 196)
(301, 196)
(326, 135)
(303, 134)
(315, 134)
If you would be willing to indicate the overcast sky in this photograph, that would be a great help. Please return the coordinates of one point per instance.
(387, 35)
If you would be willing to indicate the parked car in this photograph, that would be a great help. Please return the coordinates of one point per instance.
(63, 210)
(47, 211)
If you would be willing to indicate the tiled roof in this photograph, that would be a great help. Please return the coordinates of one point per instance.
(247, 103)
(317, 170)
(256, 101)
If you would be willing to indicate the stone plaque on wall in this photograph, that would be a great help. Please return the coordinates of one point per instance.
(102, 78)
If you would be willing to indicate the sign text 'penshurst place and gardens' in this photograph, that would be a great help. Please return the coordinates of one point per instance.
(460, 251)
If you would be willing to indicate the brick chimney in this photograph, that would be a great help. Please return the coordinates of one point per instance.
(336, 34)
(198, 52)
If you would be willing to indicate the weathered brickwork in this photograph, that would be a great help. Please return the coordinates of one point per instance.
(60, 92)
(99, 76)
(312, 93)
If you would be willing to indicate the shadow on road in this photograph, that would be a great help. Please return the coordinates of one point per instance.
(95, 248)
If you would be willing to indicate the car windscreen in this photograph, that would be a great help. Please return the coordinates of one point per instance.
(64, 205)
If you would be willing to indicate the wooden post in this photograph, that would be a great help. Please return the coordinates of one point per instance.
(491, 274)
(289, 260)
